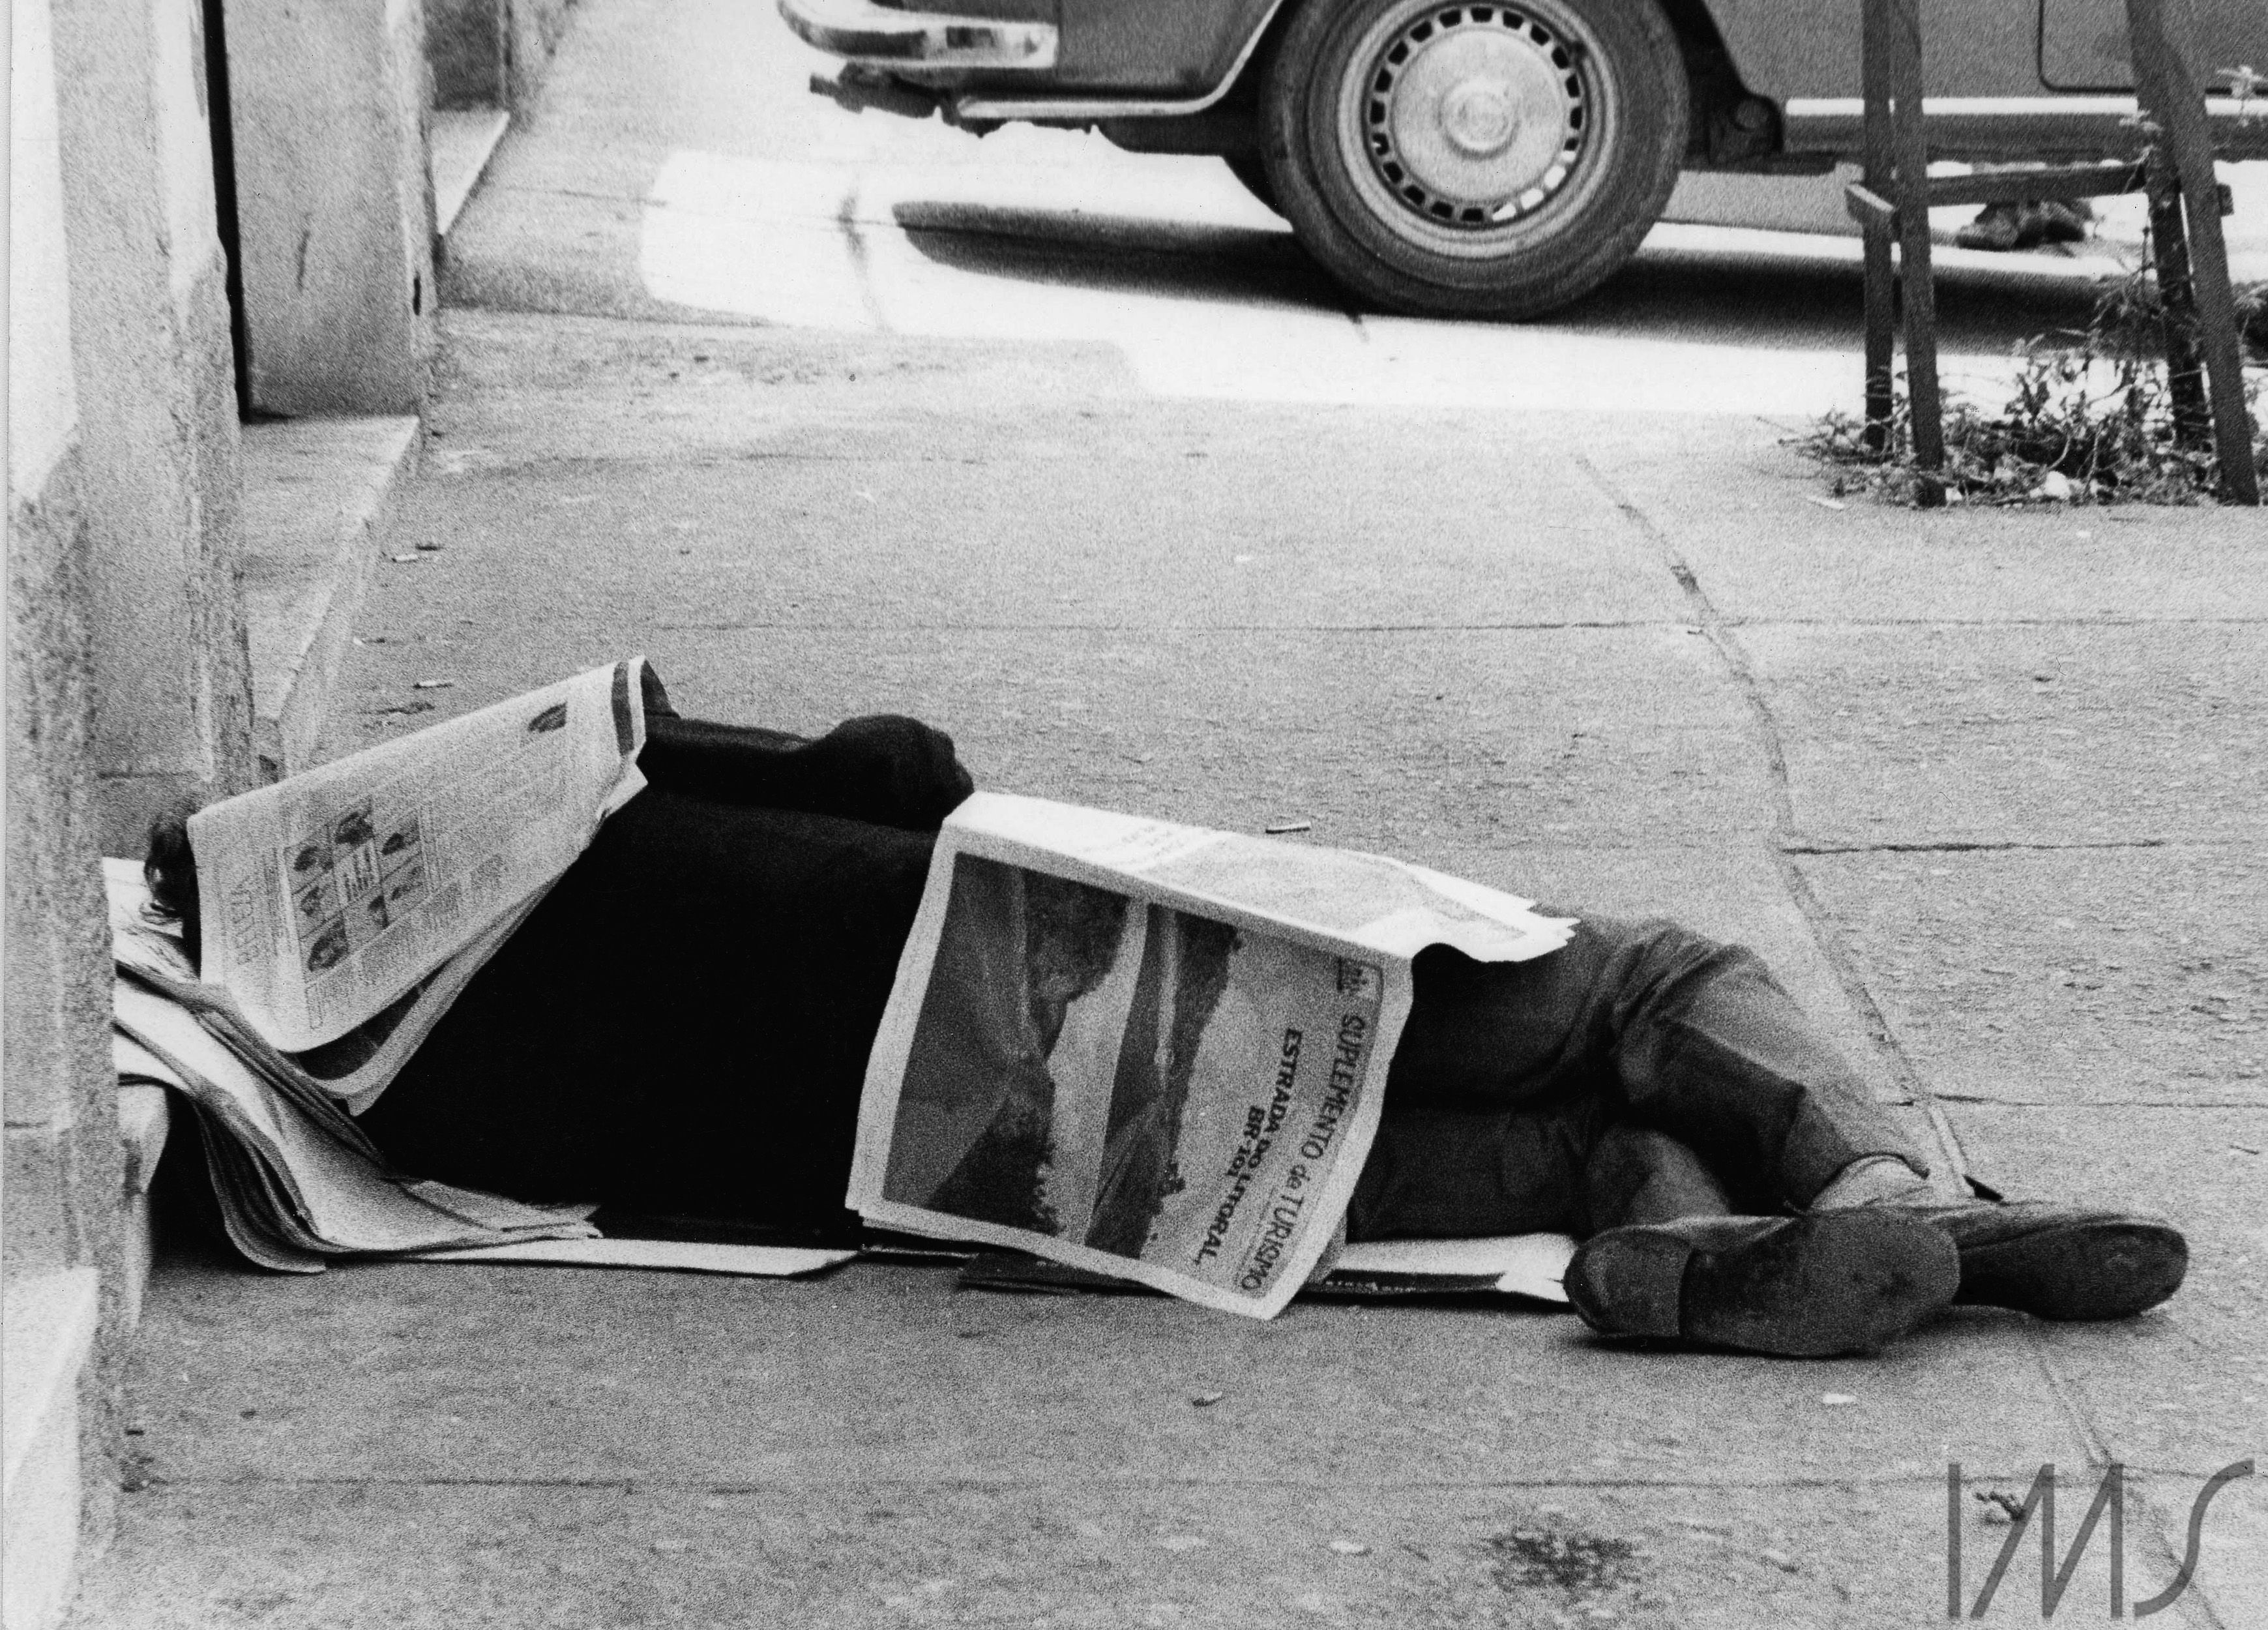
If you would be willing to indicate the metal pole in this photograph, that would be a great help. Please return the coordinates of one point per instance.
(2178, 315)
(2165, 54)
(1902, 35)
(1881, 290)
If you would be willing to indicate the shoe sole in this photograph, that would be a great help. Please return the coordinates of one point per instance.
(2110, 1269)
(1844, 1281)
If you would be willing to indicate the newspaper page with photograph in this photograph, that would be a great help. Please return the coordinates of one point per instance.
(332, 897)
(1151, 1050)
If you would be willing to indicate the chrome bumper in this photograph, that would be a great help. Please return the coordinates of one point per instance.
(861, 32)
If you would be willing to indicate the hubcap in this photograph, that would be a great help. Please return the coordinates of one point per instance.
(1473, 115)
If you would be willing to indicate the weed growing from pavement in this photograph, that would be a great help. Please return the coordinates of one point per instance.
(2090, 421)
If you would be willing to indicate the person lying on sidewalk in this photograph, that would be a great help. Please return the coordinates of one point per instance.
(682, 1026)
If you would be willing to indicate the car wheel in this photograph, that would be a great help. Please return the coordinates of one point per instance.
(1247, 169)
(1464, 160)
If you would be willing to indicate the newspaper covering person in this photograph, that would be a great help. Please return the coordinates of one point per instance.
(357, 900)
(1151, 1050)
(684, 1022)
(336, 890)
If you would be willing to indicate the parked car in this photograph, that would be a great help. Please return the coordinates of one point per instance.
(1487, 159)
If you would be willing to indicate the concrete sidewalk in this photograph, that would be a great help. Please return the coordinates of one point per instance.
(1985, 786)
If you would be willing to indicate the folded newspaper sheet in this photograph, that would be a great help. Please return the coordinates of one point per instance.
(1529, 1268)
(768, 1262)
(330, 897)
(345, 909)
(350, 905)
(1151, 1050)
(1533, 1266)
(296, 1180)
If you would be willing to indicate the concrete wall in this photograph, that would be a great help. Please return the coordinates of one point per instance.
(62, 1193)
(160, 483)
(491, 53)
(532, 29)
(57, 1021)
(335, 207)
(466, 47)
(128, 680)
(42, 396)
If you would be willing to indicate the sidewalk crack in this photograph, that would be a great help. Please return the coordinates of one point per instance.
(1991, 1102)
(1721, 635)
(2068, 1400)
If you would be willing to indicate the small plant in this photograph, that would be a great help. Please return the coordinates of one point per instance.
(2091, 422)
(2247, 84)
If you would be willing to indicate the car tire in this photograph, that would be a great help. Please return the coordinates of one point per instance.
(1452, 159)
(1247, 169)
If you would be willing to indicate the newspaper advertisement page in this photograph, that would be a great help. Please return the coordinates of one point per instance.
(330, 895)
(1149, 1049)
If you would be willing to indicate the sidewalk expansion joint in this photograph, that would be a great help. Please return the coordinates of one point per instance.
(801, 626)
(1988, 1102)
(1986, 845)
(1722, 636)
(2100, 1455)
(583, 193)
(645, 1484)
(2067, 620)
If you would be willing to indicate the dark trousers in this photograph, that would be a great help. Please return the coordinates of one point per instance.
(1640, 1073)
(682, 1026)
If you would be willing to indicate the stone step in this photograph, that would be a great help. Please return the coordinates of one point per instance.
(50, 1319)
(461, 142)
(316, 492)
(145, 1117)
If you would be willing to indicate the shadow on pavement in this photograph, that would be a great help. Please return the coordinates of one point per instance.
(1800, 305)
(1173, 260)
(1681, 294)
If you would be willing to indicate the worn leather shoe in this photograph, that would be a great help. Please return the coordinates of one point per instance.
(2062, 222)
(2055, 1261)
(1998, 226)
(1836, 1281)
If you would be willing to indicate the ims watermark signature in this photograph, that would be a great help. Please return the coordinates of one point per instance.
(2055, 1576)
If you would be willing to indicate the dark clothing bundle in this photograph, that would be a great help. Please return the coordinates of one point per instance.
(680, 1028)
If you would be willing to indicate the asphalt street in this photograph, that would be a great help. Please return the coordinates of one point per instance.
(1070, 453)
